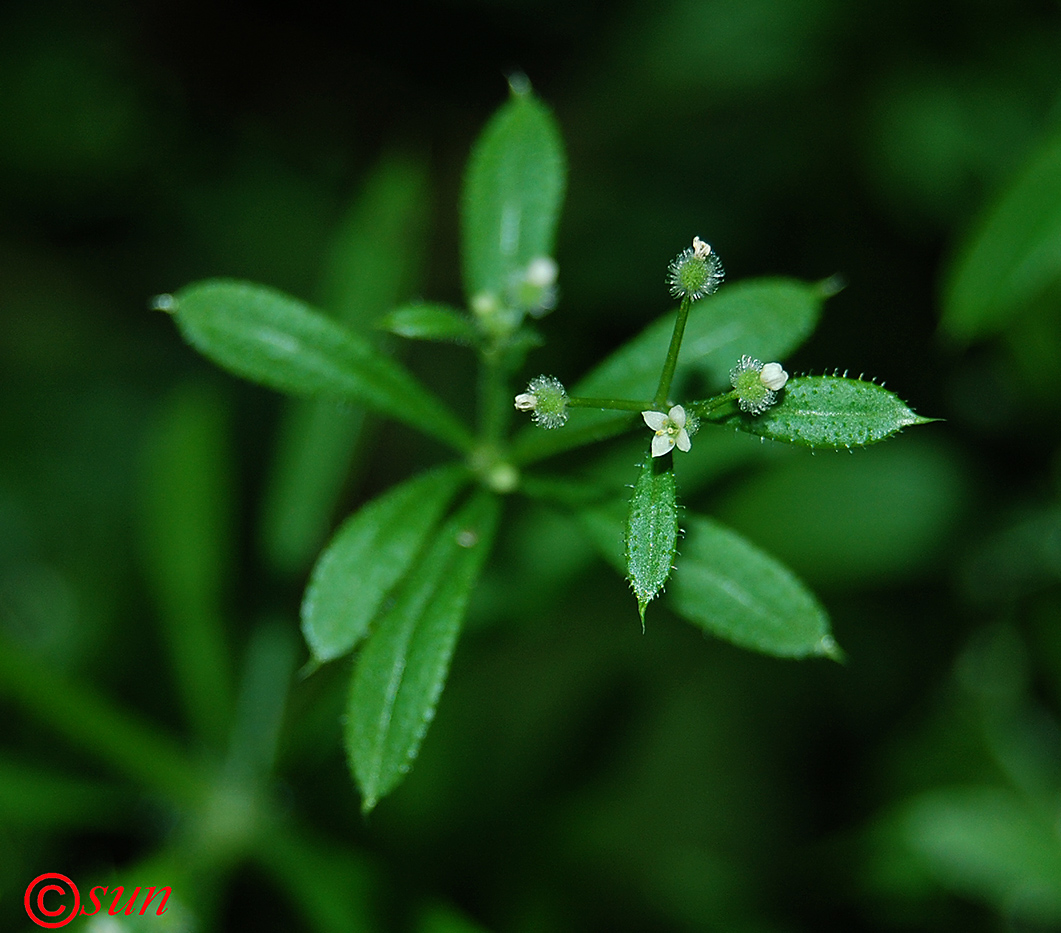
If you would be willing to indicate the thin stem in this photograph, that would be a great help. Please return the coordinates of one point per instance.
(707, 406)
(613, 404)
(669, 365)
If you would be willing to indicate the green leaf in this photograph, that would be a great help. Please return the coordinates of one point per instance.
(372, 265)
(652, 530)
(368, 556)
(375, 256)
(402, 668)
(767, 318)
(512, 195)
(888, 515)
(270, 338)
(188, 531)
(1013, 257)
(730, 588)
(830, 411)
(991, 844)
(315, 448)
(424, 321)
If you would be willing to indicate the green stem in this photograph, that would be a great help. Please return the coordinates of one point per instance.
(671, 363)
(613, 404)
(666, 377)
(704, 408)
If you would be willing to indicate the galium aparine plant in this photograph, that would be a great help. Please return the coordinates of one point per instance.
(394, 581)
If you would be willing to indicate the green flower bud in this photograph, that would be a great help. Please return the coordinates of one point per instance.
(695, 272)
(546, 399)
(757, 385)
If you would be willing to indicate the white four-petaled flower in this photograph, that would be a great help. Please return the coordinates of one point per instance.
(670, 430)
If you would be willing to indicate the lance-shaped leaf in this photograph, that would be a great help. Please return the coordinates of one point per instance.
(369, 268)
(991, 844)
(512, 195)
(429, 321)
(730, 588)
(767, 318)
(652, 530)
(189, 532)
(1013, 257)
(368, 556)
(830, 411)
(403, 666)
(273, 339)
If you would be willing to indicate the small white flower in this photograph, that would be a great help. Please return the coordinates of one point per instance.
(701, 250)
(525, 401)
(773, 376)
(670, 430)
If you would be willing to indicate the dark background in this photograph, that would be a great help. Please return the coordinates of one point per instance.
(579, 776)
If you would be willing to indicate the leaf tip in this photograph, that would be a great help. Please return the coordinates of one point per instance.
(832, 285)
(310, 668)
(828, 648)
(919, 419)
(165, 302)
(519, 84)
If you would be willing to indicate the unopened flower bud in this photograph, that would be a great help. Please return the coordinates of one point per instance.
(773, 376)
(695, 272)
(757, 385)
(546, 399)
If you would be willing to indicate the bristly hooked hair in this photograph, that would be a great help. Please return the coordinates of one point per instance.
(695, 272)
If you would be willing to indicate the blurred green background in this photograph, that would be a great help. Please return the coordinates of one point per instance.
(579, 776)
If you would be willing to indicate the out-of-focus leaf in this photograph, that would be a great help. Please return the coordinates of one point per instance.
(369, 554)
(270, 338)
(187, 543)
(880, 515)
(426, 321)
(373, 263)
(42, 800)
(376, 254)
(1013, 258)
(727, 586)
(766, 318)
(335, 886)
(268, 666)
(439, 919)
(830, 411)
(1022, 557)
(651, 530)
(512, 195)
(315, 447)
(126, 742)
(989, 844)
(402, 668)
